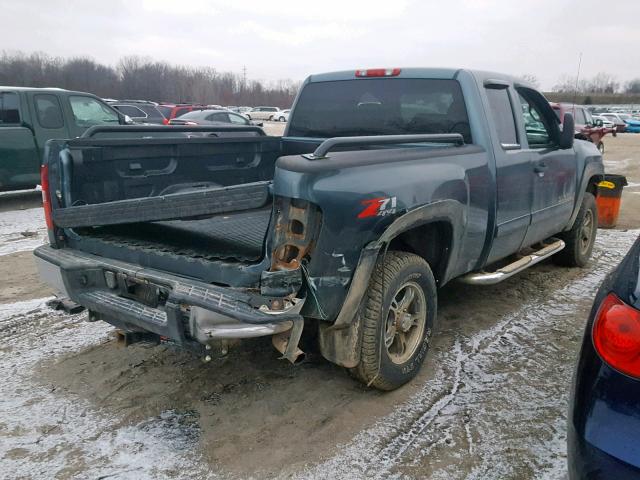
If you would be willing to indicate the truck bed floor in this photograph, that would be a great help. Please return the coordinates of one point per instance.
(236, 236)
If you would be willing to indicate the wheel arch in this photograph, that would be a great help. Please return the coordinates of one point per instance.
(441, 221)
(592, 175)
(432, 241)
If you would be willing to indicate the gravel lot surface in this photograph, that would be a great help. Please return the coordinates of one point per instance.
(489, 403)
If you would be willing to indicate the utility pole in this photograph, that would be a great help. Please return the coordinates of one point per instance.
(244, 77)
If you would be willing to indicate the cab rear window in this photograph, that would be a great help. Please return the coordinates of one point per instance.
(380, 106)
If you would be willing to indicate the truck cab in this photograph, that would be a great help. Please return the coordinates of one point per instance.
(29, 117)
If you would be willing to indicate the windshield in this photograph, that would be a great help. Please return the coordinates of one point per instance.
(624, 116)
(88, 111)
(374, 106)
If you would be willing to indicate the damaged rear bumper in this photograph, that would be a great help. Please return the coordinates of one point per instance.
(140, 299)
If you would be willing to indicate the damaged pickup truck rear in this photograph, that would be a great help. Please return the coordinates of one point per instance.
(387, 184)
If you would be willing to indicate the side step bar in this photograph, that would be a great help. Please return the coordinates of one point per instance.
(491, 278)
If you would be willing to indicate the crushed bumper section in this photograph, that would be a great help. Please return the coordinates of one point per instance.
(136, 298)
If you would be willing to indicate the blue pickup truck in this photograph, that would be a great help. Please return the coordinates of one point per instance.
(387, 184)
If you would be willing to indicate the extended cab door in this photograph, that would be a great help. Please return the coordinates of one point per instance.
(513, 172)
(19, 160)
(554, 171)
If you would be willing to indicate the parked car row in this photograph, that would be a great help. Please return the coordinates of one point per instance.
(624, 122)
(144, 111)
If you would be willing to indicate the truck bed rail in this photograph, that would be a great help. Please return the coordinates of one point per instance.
(330, 143)
(169, 129)
(207, 201)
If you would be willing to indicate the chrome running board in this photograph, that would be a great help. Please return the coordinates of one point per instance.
(491, 278)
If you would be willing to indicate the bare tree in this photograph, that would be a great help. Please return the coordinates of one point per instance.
(633, 87)
(530, 78)
(601, 83)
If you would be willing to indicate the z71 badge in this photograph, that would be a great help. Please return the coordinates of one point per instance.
(378, 207)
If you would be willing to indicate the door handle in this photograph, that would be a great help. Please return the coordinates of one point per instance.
(540, 168)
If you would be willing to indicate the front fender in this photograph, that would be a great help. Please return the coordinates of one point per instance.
(593, 168)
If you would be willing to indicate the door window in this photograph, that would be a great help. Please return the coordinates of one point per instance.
(502, 114)
(218, 117)
(538, 133)
(48, 111)
(9, 108)
(88, 112)
(238, 119)
(580, 117)
(133, 112)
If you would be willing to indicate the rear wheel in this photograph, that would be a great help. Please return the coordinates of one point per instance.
(397, 316)
(580, 239)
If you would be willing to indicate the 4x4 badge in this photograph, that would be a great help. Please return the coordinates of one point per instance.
(378, 207)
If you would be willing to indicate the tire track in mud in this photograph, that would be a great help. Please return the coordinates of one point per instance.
(45, 435)
(453, 413)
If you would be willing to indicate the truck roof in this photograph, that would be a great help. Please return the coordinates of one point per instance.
(413, 72)
(38, 89)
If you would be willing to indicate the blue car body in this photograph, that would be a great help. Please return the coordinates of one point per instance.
(604, 415)
(633, 126)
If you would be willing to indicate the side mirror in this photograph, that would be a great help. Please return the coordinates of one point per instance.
(257, 124)
(598, 123)
(568, 131)
(125, 119)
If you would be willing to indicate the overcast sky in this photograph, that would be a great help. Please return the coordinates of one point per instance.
(294, 38)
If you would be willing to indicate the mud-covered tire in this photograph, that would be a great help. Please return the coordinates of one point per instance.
(580, 239)
(395, 273)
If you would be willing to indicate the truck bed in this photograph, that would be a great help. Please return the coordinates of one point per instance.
(236, 238)
(197, 207)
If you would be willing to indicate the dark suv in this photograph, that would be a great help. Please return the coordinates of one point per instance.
(140, 111)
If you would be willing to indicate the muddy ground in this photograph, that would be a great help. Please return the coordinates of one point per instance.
(490, 401)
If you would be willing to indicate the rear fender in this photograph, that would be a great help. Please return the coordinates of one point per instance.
(339, 342)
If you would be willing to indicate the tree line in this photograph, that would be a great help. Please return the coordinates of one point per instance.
(140, 78)
(135, 77)
(600, 84)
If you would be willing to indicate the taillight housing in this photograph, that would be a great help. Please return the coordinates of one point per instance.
(378, 72)
(46, 199)
(616, 335)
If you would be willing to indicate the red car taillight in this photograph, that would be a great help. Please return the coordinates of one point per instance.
(616, 335)
(46, 199)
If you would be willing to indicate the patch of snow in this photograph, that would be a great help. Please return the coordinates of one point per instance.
(21, 230)
(45, 435)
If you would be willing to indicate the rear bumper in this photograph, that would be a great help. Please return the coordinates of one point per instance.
(588, 461)
(169, 305)
(604, 421)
